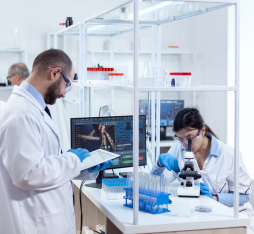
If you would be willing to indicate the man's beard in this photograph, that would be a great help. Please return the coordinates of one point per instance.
(53, 92)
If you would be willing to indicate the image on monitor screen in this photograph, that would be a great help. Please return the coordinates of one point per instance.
(169, 109)
(113, 134)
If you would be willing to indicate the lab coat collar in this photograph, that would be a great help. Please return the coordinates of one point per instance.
(35, 93)
(23, 92)
(214, 150)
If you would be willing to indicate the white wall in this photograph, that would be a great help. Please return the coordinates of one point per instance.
(246, 83)
(34, 19)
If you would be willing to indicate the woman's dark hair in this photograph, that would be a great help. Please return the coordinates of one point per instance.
(190, 117)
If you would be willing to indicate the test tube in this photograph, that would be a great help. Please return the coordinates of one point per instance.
(158, 185)
(129, 179)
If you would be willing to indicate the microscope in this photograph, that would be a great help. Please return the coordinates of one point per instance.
(188, 173)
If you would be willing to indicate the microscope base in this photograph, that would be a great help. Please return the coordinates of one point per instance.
(182, 191)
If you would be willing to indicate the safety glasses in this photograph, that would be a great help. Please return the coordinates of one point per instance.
(186, 139)
(68, 83)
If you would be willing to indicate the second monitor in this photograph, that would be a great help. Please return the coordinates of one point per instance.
(169, 109)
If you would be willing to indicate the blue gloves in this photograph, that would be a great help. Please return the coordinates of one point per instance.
(170, 162)
(101, 167)
(81, 153)
(204, 190)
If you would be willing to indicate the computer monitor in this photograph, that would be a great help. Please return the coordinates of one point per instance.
(111, 133)
(169, 109)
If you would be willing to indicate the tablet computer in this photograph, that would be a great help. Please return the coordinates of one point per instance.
(97, 157)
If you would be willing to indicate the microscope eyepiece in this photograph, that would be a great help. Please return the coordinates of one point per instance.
(189, 145)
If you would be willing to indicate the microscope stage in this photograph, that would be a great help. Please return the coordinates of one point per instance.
(182, 191)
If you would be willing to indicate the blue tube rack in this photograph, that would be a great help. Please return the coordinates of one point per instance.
(115, 182)
(158, 201)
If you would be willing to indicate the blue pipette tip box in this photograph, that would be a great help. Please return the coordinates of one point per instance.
(161, 199)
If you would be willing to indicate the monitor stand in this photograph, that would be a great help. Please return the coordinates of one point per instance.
(98, 183)
(101, 175)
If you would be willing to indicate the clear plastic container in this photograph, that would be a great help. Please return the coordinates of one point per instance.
(181, 78)
(111, 77)
(187, 77)
(116, 78)
(89, 73)
(62, 26)
(177, 77)
(121, 78)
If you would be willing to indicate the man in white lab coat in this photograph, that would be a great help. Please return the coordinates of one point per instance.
(36, 193)
(17, 73)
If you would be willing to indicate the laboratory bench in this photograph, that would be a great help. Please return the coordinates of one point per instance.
(119, 219)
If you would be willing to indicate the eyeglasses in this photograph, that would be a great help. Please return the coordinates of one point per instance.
(193, 138)
(68, 83)
(9, 77)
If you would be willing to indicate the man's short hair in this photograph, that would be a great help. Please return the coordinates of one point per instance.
(20, 69)
(52, 58)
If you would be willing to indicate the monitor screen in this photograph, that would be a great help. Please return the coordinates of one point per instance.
(169, 109)
(112, 133)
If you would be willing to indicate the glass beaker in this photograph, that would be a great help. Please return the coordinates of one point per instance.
(160, 74)
(147, 69)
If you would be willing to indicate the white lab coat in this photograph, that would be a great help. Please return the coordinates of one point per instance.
(2, 105)
(36, 193)
(218, 174)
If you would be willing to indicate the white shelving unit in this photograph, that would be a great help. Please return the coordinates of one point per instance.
(22, 58)
(106, 24)
(22, 53)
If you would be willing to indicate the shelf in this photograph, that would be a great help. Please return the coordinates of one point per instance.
(105, 86)
(99, 30)
(140, 52)
(162, 89)
(11, 51)
(157, 12)
(188, 89)
(6, 87)
(150, 13)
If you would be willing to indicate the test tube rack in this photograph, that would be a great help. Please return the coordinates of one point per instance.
(114, 188)
(149, 202)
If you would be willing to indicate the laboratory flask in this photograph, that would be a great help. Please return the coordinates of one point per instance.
(160, 74)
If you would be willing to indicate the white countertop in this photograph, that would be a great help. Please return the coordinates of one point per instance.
(122, 217)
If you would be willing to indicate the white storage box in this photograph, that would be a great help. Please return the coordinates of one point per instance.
(146, 82)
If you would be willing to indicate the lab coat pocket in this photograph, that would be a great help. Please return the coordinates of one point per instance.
(218, 186)
(53, 223)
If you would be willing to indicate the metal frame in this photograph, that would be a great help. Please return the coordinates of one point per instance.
(83, 77)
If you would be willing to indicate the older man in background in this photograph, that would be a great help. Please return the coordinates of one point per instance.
(17, 73)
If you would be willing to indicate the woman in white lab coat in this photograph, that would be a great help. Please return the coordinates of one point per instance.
(214, 161)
